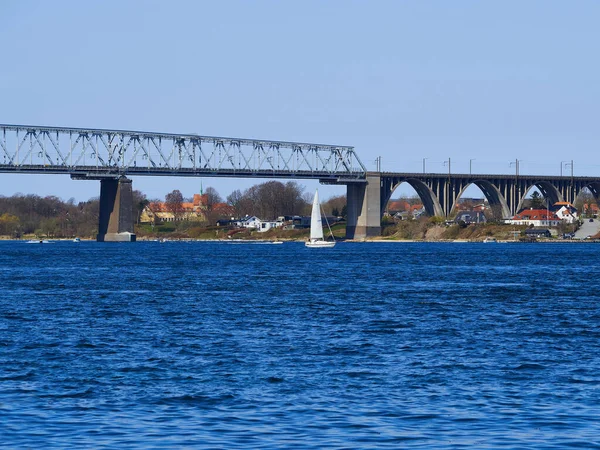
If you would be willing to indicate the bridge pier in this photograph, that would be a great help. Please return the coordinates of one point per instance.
(116, 211)
(364, 208)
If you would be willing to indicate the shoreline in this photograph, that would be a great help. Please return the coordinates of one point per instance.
(342, 240)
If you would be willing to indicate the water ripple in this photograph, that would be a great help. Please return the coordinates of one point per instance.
(265, 347)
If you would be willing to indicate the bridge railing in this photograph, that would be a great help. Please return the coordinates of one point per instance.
(117, 152)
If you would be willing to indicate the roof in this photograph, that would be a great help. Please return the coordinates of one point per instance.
(535, 214)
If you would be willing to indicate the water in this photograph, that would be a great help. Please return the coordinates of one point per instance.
(212, 345)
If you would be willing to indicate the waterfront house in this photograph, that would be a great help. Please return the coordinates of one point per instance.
(538, 232)
(266, 225)
(535, 217)
(251, 222)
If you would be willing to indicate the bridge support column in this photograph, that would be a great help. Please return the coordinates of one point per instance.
(364, 208)
(116, 211)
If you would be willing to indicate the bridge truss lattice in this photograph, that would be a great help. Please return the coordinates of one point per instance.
(96, 153)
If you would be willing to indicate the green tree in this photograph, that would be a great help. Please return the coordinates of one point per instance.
(9, 224)
(140, 201)
(537, 201)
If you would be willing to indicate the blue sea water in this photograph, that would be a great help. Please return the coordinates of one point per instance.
(377, 345)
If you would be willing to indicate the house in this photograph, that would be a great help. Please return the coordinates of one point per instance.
(470, 217)
(249, 222)
(417, 210)
(196, 210)
(470, 204)
(396, 206)
(226, 222)
(269, 224)
(535, 217)
(160, 212)
(254, 223)
(565, 211)
(296, 222)
(537, 232)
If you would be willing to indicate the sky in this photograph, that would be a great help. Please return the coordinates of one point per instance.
(481, 83)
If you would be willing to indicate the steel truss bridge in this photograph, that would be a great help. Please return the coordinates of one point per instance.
(97, 154)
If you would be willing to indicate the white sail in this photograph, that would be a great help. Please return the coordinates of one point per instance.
(316, 225)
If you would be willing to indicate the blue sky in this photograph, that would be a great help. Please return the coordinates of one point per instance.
(491, 81)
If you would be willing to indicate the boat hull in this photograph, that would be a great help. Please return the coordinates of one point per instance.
(319, 244)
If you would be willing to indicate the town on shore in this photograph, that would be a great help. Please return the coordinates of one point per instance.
(281, 211)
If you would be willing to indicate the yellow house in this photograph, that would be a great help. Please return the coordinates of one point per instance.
(158, 211)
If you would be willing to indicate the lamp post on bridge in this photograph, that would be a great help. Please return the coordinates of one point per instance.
(566, 165)
(516, 191)
(448, 162)
(471, 166)
(378, 163)
(448, 186)
(572, 194)
(424, 159)
(516, 163)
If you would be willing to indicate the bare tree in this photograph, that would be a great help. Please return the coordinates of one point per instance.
(174, 203)
(334, 205)
(212, 198)
(271, 199)
(235, 200)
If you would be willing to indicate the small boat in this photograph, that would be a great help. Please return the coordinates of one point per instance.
(316, 227)
(487, 240)
(76, 240)
(38, 241)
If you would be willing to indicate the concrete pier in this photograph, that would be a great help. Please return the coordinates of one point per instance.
(116, 211)
(364, 208)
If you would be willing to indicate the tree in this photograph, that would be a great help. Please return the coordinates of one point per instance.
(212, 198)
(9, 224)
(334, 204)
(537, 201)
(270, 200)
(49, 226)
(235, 200)
(140, 201)
(174, 203)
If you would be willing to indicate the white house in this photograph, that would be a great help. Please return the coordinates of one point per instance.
(566, 211)
(268, 224)
(253, 222)
(250, 222)
(535, 217)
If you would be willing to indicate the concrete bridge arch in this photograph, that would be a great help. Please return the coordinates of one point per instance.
(425, 193)
(498, 204)
(550, 192)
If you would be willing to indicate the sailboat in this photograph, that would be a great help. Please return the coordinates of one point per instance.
(316, 227)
